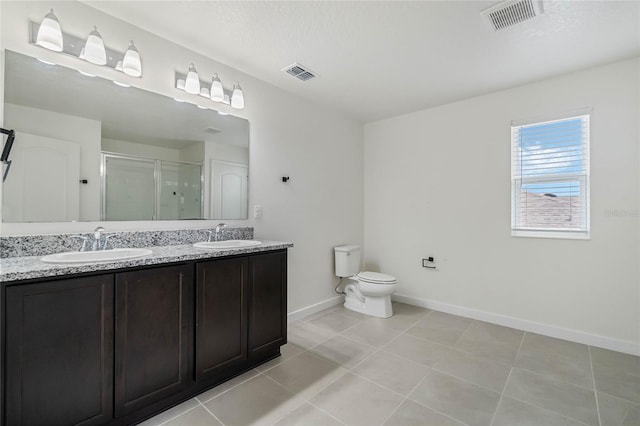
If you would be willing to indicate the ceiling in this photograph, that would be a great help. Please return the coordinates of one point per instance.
(385, 58)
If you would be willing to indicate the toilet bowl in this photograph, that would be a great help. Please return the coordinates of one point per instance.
(369, 292)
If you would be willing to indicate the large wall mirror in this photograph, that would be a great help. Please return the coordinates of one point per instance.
(87, 149)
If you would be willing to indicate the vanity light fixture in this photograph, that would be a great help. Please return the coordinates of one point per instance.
(217, 91)
(50, 34)
(237, 97)
(131, 64)
(191, 83)
(94, 50)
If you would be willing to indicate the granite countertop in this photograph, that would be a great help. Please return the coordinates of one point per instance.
(29, 267)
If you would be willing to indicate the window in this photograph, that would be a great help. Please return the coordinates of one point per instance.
(550, 178)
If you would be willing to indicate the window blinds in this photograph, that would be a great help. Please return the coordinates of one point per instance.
(550, 175)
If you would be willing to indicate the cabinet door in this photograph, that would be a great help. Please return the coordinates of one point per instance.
(59, 359)
(221, 326)
(268, 302)
(153, 339)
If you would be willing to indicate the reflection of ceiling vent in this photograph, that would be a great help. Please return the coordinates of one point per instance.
(300, 72)
(511, 12)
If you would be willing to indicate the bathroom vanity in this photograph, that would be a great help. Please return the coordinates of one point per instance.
(117, 342)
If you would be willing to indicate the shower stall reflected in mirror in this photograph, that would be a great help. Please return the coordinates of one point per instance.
(137, 188)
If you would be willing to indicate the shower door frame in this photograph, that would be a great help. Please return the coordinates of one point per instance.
(157, 176)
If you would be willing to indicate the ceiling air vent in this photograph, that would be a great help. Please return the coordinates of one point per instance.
(511, 12)
(300, 72)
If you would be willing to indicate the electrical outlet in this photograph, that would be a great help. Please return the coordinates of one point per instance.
(429, 262)
(257, 212)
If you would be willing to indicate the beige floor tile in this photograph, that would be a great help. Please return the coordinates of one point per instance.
(287, 351)
(259, 401)
(617, 382)
(413, 414)
(196, 417)
(335, 322)
(391, 371)
(373, 333)
(171, 413)
(615, 360)
(491, 341)
(343, 351)
(307, 336)
(480, 371)
(563, 348)
(572, 370)
(223, 387)
(418, 350)
(440, 327)
(308, 415)
(456, 398)
(306, 374)
(517, 413)
(618, 412)
(355, 401)
(552, 394)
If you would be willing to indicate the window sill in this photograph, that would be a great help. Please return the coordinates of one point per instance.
(552, 234)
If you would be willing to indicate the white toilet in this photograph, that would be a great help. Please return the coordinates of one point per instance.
(370, 294)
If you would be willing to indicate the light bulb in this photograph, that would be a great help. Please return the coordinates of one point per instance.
(131, 64)
(192, 82)
(94, 48)
(49, 34)
(217, 91)
(237, 97)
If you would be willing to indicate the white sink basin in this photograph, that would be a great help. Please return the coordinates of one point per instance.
(96, 256)
(226, 245)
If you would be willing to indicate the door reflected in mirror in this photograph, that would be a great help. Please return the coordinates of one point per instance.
(87, 149)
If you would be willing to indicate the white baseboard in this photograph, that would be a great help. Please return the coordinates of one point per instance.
(310, 310)
(618, 345)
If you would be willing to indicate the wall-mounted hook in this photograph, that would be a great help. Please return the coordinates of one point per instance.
(285, 179)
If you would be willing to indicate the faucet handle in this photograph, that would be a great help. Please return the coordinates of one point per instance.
(84, 239)
(210, 232)
(106, 241)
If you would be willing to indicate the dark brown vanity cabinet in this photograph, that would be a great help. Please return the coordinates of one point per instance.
(154, 323)
(221, 315)
(268, 303)
(59, 352)
(117, 347)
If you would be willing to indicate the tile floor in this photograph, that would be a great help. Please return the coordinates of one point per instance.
(422, 367)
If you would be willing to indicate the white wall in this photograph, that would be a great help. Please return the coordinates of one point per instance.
(82, 131)
(140, 150)
(437, 182)
(320, 149)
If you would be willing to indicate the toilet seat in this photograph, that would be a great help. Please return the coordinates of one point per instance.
(376, 278)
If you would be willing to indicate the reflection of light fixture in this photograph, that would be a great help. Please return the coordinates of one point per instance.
(217, 91)
(94, 51)
(49, 34)
(117, 83)
(237, 97)
(192, 82)
(131, 64)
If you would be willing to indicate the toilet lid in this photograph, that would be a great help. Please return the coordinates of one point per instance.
(376, 278)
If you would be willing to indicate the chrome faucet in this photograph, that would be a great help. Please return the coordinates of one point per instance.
(216, 233)
(99, 239)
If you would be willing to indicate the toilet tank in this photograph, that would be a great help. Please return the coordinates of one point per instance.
(347, 260)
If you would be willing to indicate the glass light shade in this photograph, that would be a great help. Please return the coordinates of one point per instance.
(94, 48)
(49, 34)
(237, 97)
(131, 64)
(217, 91)
(192, 82)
